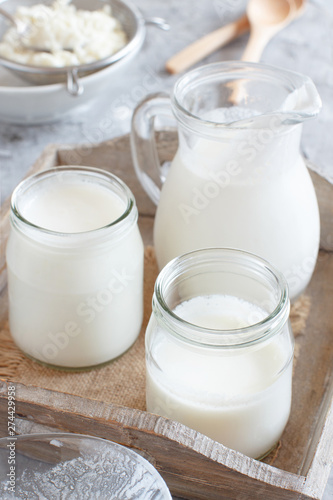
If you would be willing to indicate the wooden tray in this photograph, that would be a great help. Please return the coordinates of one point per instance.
(194, 466)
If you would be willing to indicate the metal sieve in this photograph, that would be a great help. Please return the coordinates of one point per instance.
(128, 15)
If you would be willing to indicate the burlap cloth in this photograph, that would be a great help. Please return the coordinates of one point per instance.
(123, 380)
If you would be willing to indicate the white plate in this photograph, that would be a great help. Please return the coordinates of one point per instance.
(22, 103)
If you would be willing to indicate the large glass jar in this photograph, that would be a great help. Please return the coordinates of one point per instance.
(219, 348)
(238, 179)
(75, 267)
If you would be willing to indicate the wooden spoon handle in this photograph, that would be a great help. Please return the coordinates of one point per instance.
(206, 45)
(255, 46)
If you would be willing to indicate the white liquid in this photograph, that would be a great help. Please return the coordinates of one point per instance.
(72, 208)
(70, 307)
(237, 397)
(242, 193)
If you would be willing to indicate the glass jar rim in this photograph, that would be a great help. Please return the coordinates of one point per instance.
(218, 338)
(98, 173)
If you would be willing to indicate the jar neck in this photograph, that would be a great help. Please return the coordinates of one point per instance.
(227, 272)
(269, 129)
(105, 234)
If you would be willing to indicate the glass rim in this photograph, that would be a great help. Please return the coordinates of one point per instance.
(27, 183)
(235, 70)
(219, 338)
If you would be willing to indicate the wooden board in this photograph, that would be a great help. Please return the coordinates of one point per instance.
(193, 465)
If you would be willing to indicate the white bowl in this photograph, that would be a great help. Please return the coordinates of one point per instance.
(21, 103)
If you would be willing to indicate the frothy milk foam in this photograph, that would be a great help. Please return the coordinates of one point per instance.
(238, 398)
(70, 307)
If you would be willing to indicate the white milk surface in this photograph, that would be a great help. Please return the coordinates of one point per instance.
(73, 208)
(237, 397)
(69, 307)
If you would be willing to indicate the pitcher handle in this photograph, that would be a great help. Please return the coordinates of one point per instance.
(143, 145)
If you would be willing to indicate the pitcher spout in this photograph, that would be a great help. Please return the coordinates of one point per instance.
(245, 95)
(270, 91)
(302, 103)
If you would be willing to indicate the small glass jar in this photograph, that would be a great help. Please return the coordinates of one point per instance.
(75, 267)
(219, 348)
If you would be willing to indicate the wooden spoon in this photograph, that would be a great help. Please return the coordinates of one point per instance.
(267, 18)
(201, 48)
(206, 45)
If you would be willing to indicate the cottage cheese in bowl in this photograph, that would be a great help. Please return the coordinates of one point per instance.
(90, 35)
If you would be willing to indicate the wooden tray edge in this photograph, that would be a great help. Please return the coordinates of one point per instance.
(174, 449)
(322, 462)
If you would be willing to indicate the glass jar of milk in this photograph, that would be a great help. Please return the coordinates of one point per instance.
(238, 179)
(219, 348)
(75, 267)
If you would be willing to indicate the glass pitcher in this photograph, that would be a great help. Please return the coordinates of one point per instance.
(238, 179)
